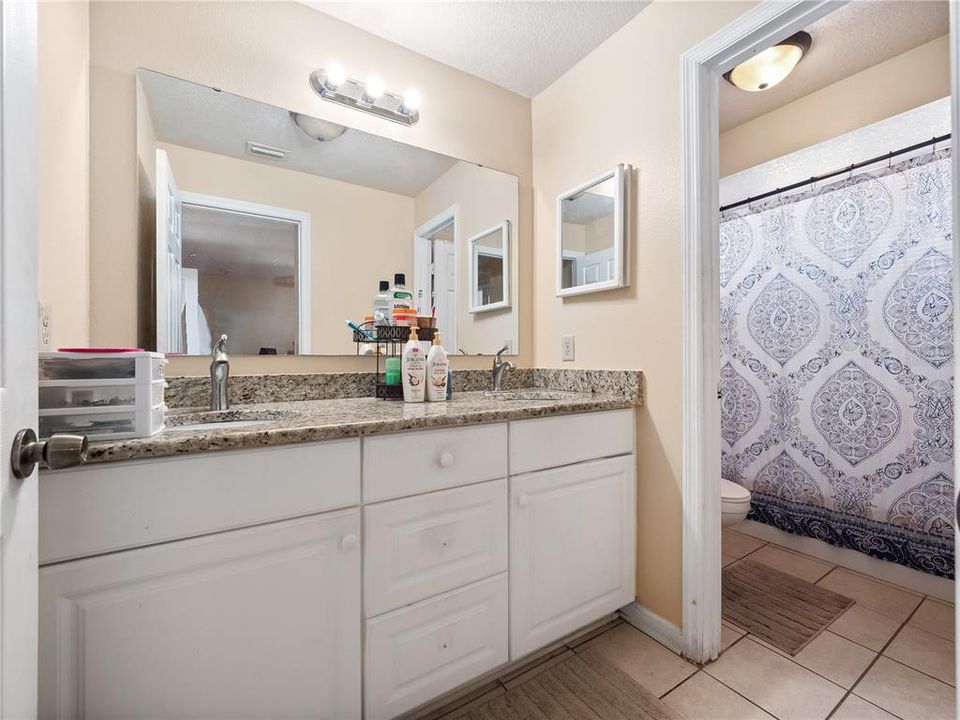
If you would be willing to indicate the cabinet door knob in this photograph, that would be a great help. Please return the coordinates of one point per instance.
(349, 542)
(523, 500)
(446, 460)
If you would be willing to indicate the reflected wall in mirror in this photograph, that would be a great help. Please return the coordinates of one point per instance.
(592, 234)
(274, 227)
(490, 268)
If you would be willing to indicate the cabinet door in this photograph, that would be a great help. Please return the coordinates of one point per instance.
(261, 622)
(572, 549)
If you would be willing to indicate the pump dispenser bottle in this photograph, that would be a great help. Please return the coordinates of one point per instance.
(414, 369)
(438, 366)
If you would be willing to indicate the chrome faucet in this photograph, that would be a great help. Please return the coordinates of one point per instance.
(220, 376)
(500, 367)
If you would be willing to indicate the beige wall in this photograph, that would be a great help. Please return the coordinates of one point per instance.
(622, 104)
(62, 168)
(483, 199)
(359, 235)
(906, 81)
(266, 51)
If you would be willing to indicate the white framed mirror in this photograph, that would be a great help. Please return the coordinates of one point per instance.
(490, 268)
(592, 234)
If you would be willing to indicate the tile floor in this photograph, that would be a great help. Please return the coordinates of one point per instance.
(889, 656)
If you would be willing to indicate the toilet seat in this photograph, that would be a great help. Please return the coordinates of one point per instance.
(733, 494)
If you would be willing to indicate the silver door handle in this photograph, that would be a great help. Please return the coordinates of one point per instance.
(58, 451)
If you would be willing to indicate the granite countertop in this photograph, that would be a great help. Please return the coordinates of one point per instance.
(282, 423)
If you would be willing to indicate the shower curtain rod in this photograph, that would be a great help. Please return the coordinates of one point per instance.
(849, 168)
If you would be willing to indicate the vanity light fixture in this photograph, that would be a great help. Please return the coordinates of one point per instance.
(770, 67)
(334, 85)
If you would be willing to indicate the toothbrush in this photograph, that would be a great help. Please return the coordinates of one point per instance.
(353, 326)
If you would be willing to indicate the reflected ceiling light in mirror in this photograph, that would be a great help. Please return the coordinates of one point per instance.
(333, 84)
(411, 101)
(317, 129)
(770, 67)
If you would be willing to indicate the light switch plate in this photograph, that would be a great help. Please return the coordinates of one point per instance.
(567, 348)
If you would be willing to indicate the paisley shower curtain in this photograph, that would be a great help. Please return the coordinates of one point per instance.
(837, 361)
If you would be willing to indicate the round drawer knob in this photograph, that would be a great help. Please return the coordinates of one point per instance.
(523, 501)
(446, 460)
(349, 542)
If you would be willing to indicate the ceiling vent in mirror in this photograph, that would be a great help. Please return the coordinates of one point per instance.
(770, 67)
(333, 84)
(265, 151)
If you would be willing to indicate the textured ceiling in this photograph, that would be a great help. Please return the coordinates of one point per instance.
(855, 37)
(522, 46)
(196, 116)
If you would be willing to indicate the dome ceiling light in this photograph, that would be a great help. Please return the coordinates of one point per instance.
(770, 67)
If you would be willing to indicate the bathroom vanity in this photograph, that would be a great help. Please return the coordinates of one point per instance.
(356, 560)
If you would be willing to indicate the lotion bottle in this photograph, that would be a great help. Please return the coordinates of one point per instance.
(438, 367)
(414, 369)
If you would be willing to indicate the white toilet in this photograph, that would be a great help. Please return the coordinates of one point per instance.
(734, 502)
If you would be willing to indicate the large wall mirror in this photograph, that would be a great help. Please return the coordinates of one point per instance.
(275, 227)
(592, 234)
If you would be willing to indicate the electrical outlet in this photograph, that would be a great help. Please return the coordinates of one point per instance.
(44, 327)
(567, 348)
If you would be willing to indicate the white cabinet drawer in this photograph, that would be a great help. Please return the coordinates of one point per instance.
(424, 545)
(416, 653)
(554, 441)
(103, 508)
(262, 622)
(416, 462)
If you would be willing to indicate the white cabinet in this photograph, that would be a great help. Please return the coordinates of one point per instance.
(572, 549)
(259, 622)
(416, 653)
(421, 546)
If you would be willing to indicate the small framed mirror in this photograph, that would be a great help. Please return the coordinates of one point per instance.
(592, 234)
(490, 268)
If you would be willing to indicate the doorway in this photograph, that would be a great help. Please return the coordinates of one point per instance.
(703, 66)
(435, 272)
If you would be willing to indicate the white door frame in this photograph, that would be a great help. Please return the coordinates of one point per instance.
(702, 67)
(18, 356)
(303, 247)
(421, 264)
(955, 187)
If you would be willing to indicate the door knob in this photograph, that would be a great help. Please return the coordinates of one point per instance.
(58, 451)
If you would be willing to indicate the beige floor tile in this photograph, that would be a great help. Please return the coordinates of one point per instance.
(736, 545)
(925, 652)
(906, 693)
(703, 698)
(474, 703)
(935, 617)
(866, 627)
(642, 658)
(728, 636)
(855, 708)
(778, 685)
(888, 600)
(801, 566)
(835, 658)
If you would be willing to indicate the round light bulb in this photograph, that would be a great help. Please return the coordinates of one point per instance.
(336, 75)
(374, 87)
(412, 100)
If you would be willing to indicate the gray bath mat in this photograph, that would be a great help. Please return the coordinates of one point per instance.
(586, 687)
(782, 609)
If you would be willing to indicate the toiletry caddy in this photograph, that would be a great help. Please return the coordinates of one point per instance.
(389, 341)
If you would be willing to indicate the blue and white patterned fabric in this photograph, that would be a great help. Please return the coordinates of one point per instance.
(837, 362)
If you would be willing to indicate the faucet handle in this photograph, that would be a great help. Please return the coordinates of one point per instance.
(220, 350)
(501, 351)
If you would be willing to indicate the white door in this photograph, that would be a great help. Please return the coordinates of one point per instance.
(169, 260)
(445, 285)
(18, 355)
(262, 622)
(572, 549)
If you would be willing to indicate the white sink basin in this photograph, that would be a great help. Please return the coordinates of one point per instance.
(225, 424)
(224, 419)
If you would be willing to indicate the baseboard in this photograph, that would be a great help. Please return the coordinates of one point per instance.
(661, 630)
(937, 587)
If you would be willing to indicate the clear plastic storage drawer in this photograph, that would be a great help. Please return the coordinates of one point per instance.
(140, 366)
(56, 394)
(103, 423)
